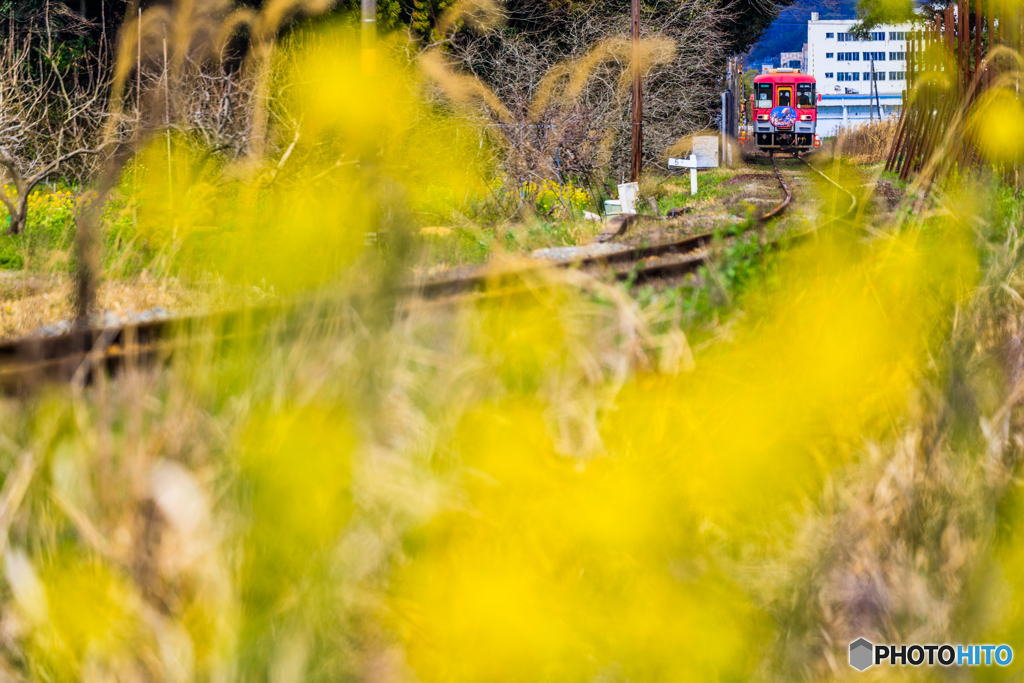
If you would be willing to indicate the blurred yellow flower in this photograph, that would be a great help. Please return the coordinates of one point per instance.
(998, 123)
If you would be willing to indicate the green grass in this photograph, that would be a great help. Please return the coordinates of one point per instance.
(709, 186)
(50, 228)
(47, 244)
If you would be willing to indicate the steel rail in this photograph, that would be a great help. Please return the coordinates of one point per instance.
(785, 188)
(691, 262)
(853, 198)
(685, 249)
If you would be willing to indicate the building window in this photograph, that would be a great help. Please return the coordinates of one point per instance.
(849, 57)
(879, 75)
(897, 56)
(846, 76)
(845, 38)
(897, 75)
(877, 56)
(828, 74)
(830, 35)
(878, 35)
(828, 55)
(897, 35)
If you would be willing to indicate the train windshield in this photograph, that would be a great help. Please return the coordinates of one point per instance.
(764, 96)
(805, 95)
(786, 97)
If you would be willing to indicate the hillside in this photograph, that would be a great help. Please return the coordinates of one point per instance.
(788, 33)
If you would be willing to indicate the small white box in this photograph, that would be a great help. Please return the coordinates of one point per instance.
(628, 192)
(612, 207)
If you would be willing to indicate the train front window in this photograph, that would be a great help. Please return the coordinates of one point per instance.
(764, 96)
(805, 95)
(785, 97)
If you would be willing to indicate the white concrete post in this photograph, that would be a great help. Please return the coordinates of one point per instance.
(721, 133)
(691, 164)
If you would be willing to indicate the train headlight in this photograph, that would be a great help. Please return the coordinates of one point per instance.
(806, 117)
(762, 117)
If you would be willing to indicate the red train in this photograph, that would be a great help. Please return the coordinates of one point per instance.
(784, 104)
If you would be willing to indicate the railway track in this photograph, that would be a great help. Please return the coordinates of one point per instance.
(672, 259)
(688, 256)
(76, 356)
(840, 188)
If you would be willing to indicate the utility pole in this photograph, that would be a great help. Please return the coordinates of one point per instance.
(871, 93)
(637, 119)
(368, 36)
(878, 99)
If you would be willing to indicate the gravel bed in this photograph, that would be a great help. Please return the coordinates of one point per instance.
(105, 320)
(573, 253)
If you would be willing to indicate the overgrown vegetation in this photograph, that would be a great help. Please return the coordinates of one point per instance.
(205, 85)
(864, 144)
(556, 472)
(558, 479)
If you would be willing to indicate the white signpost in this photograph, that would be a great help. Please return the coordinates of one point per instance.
(691, 164)
(705, 155)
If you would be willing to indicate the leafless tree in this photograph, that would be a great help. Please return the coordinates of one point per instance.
(559, 105)
(171, 75)
(51, 108)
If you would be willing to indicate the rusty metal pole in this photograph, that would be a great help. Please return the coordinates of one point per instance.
(977, 37)
(947, 26)
(962, 42)
(991, 35)
(638, 105)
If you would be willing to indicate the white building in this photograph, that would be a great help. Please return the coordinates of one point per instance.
(842, 67)
(840, 63)
(794, 60)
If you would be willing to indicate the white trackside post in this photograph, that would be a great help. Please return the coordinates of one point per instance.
(691, 164)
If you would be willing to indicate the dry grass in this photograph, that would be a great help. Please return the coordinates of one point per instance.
(151, 509)
(540, 471)
(907, 542)
(30, 302)
(546, 482)
(864, 144)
